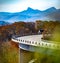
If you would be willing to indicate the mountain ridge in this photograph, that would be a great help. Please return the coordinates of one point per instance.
(3, 23)
(31, 15)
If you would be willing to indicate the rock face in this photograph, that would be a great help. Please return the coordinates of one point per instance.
(31, 15)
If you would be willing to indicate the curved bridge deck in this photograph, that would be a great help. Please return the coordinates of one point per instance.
(35, 40)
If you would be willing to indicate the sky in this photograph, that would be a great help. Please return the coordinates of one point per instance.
(20, 5)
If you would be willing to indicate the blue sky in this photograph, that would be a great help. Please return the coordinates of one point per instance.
(20, 5)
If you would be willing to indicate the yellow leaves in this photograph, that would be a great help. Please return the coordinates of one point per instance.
(56, 34)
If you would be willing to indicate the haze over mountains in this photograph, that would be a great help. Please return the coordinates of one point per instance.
(31, 15)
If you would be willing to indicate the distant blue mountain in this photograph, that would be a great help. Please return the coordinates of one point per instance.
(2, 23)
(31, 15)
(30, 12)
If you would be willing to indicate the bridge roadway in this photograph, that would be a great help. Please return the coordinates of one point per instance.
(33, 42)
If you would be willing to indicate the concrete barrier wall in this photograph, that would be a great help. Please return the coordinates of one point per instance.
(39, 44)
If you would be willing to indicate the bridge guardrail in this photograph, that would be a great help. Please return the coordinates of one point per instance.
(33, 43)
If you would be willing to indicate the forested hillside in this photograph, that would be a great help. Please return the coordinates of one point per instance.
(27, 28)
